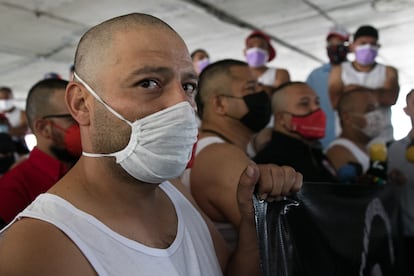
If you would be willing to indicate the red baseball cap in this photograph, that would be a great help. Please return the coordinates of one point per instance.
(338, 31)
(272, 51)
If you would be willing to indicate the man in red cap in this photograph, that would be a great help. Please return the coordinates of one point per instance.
(337, 50)
(258, 52)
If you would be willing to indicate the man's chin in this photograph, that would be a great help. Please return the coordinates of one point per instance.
(63, 155)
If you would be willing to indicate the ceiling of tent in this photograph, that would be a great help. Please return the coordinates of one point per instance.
(40, 36)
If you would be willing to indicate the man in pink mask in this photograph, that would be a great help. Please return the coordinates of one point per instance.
(258, 52)
(200, 59)
(299, 124)
(365, 72)
(58, 148)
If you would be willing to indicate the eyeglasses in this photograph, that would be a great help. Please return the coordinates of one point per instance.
(64, 116)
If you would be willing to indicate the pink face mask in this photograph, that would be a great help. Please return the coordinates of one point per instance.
(366, 54)
(256, 57)
(310, 126)
(201, 64)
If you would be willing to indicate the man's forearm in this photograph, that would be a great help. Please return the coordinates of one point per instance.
(386, 97)
(246, 257)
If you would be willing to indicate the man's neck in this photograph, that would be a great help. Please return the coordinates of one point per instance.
(291, 134)
(258, 71)
(358, 141)
(233, 132)
(362, 68)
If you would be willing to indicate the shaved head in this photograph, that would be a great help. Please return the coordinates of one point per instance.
(280, 95)
(215, 80)
(94, 50)
(38, 103)
(349, 101)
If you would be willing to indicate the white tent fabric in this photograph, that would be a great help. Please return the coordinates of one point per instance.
(40, 36)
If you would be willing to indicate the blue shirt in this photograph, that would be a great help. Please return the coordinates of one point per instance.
(318, 81)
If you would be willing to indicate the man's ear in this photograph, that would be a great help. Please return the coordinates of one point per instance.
(219, 104)
(280, 119)
(346, 117)
(42, 127)
(75, 98)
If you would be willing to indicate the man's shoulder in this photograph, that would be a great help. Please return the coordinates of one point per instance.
(216, 163)
(33, 245)
(223, 151)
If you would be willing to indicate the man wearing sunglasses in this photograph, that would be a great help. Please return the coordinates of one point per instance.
(58, 148)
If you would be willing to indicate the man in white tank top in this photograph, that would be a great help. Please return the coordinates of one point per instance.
(361, 121)
(258, 51)
(115, 212)
(365, 72)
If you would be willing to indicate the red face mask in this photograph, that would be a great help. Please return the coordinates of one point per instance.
(310, 126)
(72, 139)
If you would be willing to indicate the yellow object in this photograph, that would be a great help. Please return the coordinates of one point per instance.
(409, 154)
(378, 152)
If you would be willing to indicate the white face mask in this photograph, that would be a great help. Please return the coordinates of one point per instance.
(6, 105)
(374, 123)
(160, 145)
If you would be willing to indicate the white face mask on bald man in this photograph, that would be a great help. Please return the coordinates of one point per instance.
(160, 145)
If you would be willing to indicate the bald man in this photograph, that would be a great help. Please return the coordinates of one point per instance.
(299, 124)
(361, 121)
(115, 212)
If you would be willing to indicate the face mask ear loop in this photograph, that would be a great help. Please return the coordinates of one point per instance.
(99, 99)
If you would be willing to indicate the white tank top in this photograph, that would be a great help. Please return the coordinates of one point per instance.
(373, 79)
(360, 155)
(109, 253)
(226, 229)
(201, 144)
(268, 77)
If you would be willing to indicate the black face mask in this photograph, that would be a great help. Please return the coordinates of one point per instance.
(337, 53)
(5, 163)
(259, 113)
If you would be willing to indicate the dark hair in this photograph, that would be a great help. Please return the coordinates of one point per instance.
(6, 89)
(366, 30)
(198, 51)
(37, 102)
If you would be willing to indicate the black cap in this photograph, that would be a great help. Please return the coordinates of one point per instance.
(366, 31)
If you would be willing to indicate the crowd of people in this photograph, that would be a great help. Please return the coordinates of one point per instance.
(147, 159)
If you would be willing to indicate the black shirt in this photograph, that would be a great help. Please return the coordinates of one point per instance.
(310, 161)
